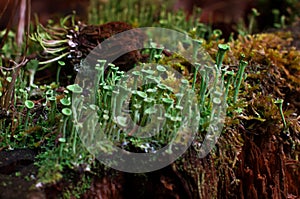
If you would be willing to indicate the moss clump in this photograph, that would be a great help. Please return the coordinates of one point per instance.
(255, 142)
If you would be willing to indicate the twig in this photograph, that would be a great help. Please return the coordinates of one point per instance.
(21, 25)
(4, 9)
(23, 62)
(9, 93)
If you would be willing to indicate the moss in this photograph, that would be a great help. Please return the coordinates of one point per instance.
(254, 129)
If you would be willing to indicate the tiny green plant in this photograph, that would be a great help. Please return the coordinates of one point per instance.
(222, 48)
(279, 20)
(29, 105)
(67, 112)
(60, 64)
(252, 20)
(239, 78)
(279, 103)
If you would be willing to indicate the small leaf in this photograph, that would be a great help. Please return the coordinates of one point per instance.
(75, 88)
(9, 79)
(63, 140)
(279, 101)
(168, 100)
(217, 100)
(29, 104)
(62, 63)
(150, 110)
(66, 111)
(32, 65)
(141, 94)
(224, 47)
(65, 101)
(160, 68)
(122, 121)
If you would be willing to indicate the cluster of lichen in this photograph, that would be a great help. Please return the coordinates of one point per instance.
(271, 68)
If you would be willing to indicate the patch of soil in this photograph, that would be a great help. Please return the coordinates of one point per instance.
(161, 184)
(17, 175)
